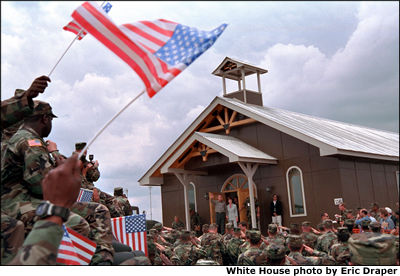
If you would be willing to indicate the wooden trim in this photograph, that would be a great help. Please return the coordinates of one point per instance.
(236, 123)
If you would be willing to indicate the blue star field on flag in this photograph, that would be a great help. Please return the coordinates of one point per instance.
(135, 223)
(188, 43)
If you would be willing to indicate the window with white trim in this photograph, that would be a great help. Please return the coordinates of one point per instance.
(295, 186)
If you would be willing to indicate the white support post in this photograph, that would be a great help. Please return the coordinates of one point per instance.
(239, 85)
(224, 84)
(258, 82)
(244, 87)
(249, 171)
(183, 178)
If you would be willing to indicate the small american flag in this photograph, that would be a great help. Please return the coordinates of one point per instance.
(85, 195)
(75, 249)
(131, 230)
(75, 28)
(156, 50)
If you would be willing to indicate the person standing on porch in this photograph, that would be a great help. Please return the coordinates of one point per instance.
(276, 210)
(232, 212)
(220, 212)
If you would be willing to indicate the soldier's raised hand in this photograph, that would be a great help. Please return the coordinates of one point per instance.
(37, 86)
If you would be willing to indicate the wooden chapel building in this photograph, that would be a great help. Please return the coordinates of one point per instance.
(309, 162)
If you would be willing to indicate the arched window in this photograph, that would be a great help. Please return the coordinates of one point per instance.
(192, 196)
(297, 202)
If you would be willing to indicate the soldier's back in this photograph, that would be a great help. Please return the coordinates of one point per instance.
(341, 253)
(233, 250)
(310, 239)
(252, 256)
(214, 247)
(325, 241)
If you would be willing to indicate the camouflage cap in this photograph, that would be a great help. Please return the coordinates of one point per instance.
(80, 145)
(93, 174)
(276, 251)
(349, 222)
(327, 223)
(153, 232)
(254, 235)
(42, 108)
(342, 229)
(348, 211)
(365, 223)
(236, 230)
(295, 241)
(158, 226)
(118, 191)
(374, 225)
(229, 225)
(306, 223)
(185, 235)
(272, 228)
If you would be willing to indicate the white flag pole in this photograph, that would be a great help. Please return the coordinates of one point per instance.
(80, 32)
(109, 122)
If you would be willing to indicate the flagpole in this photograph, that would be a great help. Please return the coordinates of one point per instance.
(80, 32)
(151, 209)
(109, 122)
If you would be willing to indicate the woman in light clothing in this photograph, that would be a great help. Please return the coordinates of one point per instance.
(232, 212)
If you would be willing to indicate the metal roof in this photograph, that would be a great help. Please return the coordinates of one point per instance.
(331, 137)
(342, 136)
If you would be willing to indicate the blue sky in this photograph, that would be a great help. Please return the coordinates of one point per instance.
(338, 60)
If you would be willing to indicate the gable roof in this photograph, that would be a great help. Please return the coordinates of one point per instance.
(233, 148)
(331, 137)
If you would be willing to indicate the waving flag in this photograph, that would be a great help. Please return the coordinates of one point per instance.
(156, 50)
(85, 195)
(131, 230)
(75, 249)
(75, 28)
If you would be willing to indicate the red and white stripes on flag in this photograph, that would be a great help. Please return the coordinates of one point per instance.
(74, 27)
(133, 44)
(131, 230)
(75, 249)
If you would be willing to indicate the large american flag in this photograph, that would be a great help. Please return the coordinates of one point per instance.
(156, 50)
(131, 230)
(75, 249)
(75, 28)
(85, 195)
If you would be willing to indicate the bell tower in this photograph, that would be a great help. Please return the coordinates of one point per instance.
(237, 71)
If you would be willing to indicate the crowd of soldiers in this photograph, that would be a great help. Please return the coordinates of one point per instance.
(348, 244)
(40, 186)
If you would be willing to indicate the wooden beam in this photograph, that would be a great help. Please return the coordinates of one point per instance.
(232, 117)
(226, 115)
(220, 120)
(236, 123)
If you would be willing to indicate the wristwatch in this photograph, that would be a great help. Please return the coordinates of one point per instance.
(47, 209)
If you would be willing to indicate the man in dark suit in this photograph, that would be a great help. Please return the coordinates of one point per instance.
(276, 210)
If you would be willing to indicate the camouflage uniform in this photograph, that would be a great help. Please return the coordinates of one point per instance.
(41, 245)
(122, 202)
(341, 253)
(370, 248)
(253, 255)
(214, 247)
(246, 204)
(227, 236)
(275, 252)
(138, 260)
(309, 239)
(12, 238)
(233, 249)
(295, 241)
(325, 241)
(178, 225)
(111, 203)
(186, 253)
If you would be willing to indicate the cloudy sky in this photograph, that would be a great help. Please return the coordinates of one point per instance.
(338, 60)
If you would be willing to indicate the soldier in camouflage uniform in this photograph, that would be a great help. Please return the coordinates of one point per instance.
(233, 247)
(309, 238)
(195, 222)
(213, 244)
(160, 235)
(177, 224)
(254, 255)
(246, 205)
(325, 241)
(187, 253)
(295, 244)
(275, 254)
(12, 237)
(228, 232)
(349, 223)
(371, 248)
(123, 202)
(246, 244)
(340, 251)
(204, 229)
(273, 237)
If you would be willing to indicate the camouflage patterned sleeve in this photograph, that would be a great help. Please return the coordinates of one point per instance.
(36, 164)
(15, 109)
(41, 245)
